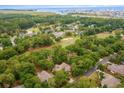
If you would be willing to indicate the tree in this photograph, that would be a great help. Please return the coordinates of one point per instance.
(27, 68)
(41, 40)
(14, 67)
(61, 78)
(6, 80)
(118, 45)
(51, 83)
(102, 51)
(32, 82)
(75, 70)
(3, 66)
(5, 41)
(82, 64)
(77, 49)
(45, 64)
(7, 53)
(19, 48)
(68, 33)
(59, 55)
(101, 67)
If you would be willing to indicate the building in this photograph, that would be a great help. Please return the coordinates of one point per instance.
(58, 34)
(114, 68)
(63, 66)
(31, 33)
(44, 75)
(1, 47)
(13, 40)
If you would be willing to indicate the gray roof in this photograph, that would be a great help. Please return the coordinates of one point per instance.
(63, 66)
(44, 75)
(58, 34)
(110, 81)
(116, 68)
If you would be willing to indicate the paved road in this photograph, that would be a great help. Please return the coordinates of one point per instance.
(103, 61)
(90, 72)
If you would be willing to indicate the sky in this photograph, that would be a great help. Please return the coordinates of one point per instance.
(62, 2)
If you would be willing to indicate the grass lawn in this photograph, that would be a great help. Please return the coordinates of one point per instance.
(104, 35)
(94, 76)
(64, 42)
(26, 12)
(33, 29)
(67, 41)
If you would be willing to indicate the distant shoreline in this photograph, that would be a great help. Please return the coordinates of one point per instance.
(112, 11)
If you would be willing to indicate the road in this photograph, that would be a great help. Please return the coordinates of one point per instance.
(104, 60)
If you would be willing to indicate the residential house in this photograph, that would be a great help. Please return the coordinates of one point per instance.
(44, 75)
(63, 66)
(1, 47)
(58, 34)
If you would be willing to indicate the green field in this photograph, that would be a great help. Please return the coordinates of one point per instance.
(26, 12)
(104, 35)
(67, 41)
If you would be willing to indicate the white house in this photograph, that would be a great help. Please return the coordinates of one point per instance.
(1, 47)
(58, 34)
(13, 40)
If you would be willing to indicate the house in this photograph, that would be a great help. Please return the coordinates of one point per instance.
(114, 68)
(31, 33)
(58, 28)
(1, 47)
(58, 34)
(70, 26)
(91, 26)
(76, 27)
(48, 31)
(110, 81)
(80, 32)
(63, 66)
(22, 34)
(13, 40)
(122, 38)
(122, 62)
(44, 75)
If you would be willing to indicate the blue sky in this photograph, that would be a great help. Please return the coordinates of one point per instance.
(62, 2)
(50, 6)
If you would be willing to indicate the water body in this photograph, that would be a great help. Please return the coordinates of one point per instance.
(60, 8)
